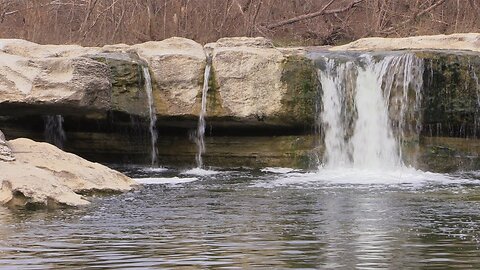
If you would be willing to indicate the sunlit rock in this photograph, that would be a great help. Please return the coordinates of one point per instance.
(43, 175)
(256, 83)
(177, 66)
(470, 41)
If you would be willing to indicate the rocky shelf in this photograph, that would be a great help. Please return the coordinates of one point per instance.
(256, 90)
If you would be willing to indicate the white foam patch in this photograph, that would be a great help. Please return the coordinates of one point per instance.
(200, 172)
(407, 176)
(151, 169)
(278, 170)
(165, 180)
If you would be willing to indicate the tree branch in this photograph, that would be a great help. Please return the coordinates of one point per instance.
(440, 2)
(323, 11)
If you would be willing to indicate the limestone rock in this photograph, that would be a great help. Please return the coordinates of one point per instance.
(469, 41)
(42, 174)
(177, 66)
(257, 42)
(127, 90)
(79, 82)
(251, 83)
(5, 151)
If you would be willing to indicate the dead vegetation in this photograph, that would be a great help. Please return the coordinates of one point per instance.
(306, 22)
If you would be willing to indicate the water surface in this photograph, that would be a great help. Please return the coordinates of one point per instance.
(272, 218)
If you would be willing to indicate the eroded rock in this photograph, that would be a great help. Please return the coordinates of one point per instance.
(44, 175)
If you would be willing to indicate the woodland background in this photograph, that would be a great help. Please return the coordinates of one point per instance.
(287, 22)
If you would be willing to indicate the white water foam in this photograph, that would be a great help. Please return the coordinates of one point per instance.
(363, 177)
(165, 180)
(278, 170)
(200, 172)
(363, 100)
(154, 170)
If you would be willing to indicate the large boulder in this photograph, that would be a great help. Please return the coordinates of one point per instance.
(69, 79)
(36, 76)
(258, 84)
(43, 175)
(177, 66)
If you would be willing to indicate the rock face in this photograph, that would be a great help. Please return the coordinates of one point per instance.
(33, 76)
(74, 80)
(5, 151)
(176, 66)
(43, 175)
(451, 94)
(255, 89)
(254, 82)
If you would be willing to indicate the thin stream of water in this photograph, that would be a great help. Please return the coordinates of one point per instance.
(152, 113)
(54, 132)
(200, 134)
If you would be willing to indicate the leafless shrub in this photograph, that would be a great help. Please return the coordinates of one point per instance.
(307, 22)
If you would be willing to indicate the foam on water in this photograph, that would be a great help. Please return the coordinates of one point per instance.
(200, 172)
(362, 177)
(154, 170)
(164, 180)
(278, 170)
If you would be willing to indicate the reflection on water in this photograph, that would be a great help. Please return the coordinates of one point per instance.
(242, 219)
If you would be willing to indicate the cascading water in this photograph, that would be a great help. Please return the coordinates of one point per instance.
(370, 106)
(200, 134)
(152, 113)
(54, 132)
(477, 119)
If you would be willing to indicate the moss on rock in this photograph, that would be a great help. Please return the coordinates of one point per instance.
(451, 93)
(300, 77)
(127, 80)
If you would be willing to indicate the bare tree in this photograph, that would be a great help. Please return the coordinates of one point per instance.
(311, 22)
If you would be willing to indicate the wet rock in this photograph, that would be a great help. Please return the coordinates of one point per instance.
(451, 93)
(127, 91)
(43, 175)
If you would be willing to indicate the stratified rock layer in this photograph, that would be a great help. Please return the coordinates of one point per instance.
(256, 89)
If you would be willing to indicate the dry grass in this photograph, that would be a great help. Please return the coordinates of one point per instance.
(97, 22)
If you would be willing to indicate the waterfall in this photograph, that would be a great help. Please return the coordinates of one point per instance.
(477, 118)
(152, 113)
(200, 134)
(370, 107)
(54, 132)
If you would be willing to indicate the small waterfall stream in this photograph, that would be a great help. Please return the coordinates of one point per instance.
(370, 106)
(152, 114)
(200, 134)
(54, 132)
